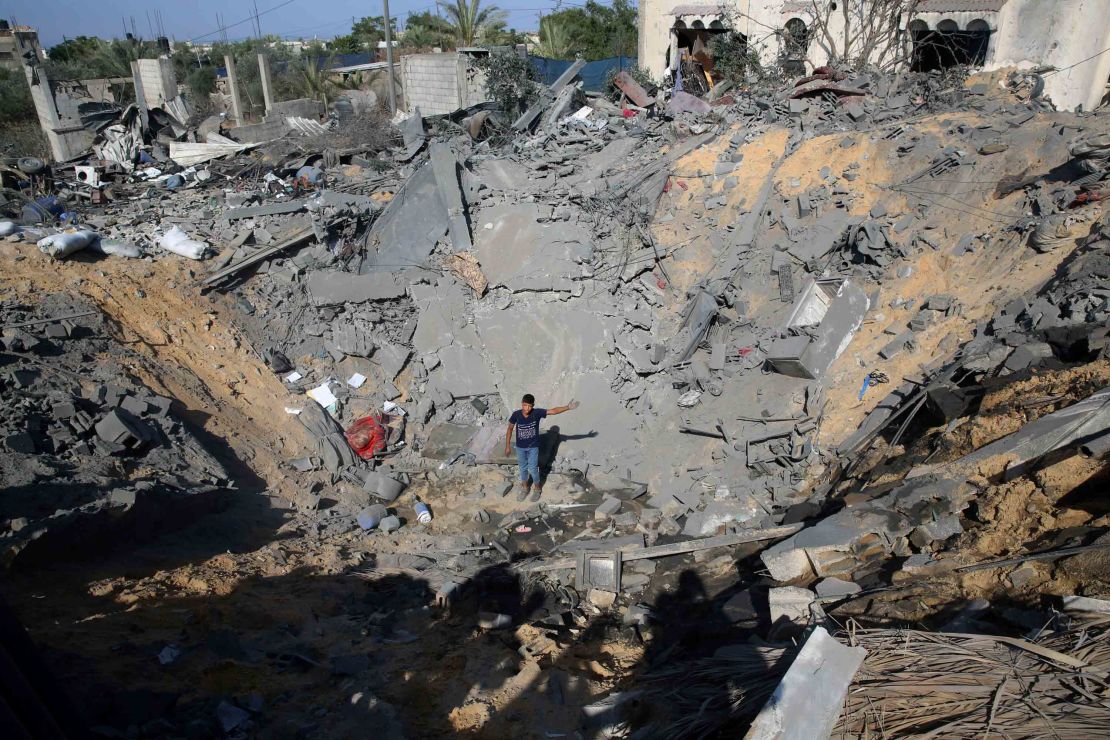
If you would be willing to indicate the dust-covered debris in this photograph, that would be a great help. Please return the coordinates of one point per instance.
(808, 352)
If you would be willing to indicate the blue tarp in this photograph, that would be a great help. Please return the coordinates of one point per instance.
(593, 74)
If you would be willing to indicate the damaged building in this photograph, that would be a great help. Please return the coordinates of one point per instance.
(803, 35)
(829, 356)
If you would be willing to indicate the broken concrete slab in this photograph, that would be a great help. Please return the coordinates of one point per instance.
(790, 604)
(520, 248)
(338, 288)
(409, 227)
(1061, 431)
(445, 165)
(807, 702)
(413, 135)
(463, 372)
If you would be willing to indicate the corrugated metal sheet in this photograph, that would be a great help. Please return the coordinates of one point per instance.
(960, 6)
(305, 126)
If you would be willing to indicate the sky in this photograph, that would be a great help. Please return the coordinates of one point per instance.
(185, 20)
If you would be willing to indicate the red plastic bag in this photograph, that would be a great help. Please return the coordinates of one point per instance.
(367, 436)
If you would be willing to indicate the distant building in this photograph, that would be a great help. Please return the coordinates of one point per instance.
(1069, 35)
(18, 44)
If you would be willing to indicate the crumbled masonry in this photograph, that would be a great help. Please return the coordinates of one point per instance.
(840, 352)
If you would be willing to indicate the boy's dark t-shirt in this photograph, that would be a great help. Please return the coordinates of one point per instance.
(528, 429)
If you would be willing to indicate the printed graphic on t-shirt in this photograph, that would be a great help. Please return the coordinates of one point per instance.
(528, 429)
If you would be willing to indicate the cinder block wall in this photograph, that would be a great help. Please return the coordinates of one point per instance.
(158, 80)
(431, 82)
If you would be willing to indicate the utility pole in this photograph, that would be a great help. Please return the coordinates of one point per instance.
(389, 59)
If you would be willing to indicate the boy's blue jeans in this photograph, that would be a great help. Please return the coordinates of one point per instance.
(529, 461)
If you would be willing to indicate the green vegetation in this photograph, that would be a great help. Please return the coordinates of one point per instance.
(427, 30)
(594, 31)
(734, 59)
(364, 36)
(86, 57)
(511, 81)
(470, 23)
(15, 97)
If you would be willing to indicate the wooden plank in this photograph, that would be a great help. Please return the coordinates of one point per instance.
(260, 256)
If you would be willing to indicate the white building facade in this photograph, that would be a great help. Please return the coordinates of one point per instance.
(1071, 36)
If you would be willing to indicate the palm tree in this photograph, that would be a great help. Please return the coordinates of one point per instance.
(468, 20)
(555, 38)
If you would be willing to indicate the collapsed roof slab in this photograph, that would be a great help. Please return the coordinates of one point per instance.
(410, 226)
(443, 316)
(463, 373)
(519, 252)
(560, 352)
(337, 288)
(502, 174)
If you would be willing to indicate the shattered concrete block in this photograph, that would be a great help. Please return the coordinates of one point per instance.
(896, 345)
(121, 428)
(608, 507)
(855, 111)
(338, 288)
(601, 599)
(791, 604)
(1033, 354)
(740, 608)
(938, 530)
(836, 587)
(808, 700)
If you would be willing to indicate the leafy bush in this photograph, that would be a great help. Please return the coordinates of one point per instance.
(511, 81)
(15, 97)
(733, 58)
(639, 74)
(201, 82)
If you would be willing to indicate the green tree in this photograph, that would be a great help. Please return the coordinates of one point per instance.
(75, 50)
(372, 29)
(468, 20)
(201, 82)
(425, 30)
(511, 81)
(556, 40)
(349, 44)
(598, 31)
(85, 57)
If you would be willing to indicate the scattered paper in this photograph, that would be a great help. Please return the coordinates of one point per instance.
(292, 411)
(322, 395)
(356, 380)
(391, 408)
(293, 377)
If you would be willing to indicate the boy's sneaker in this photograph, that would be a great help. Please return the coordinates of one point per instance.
(523, 492)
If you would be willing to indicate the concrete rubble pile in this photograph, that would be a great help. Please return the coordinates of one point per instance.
(88, 454)
(422, 284)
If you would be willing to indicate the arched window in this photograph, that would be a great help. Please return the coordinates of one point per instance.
(717, 25)
(697, 24)
(795, 41)
(680, 24)
(797, 35)
(948, 46)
